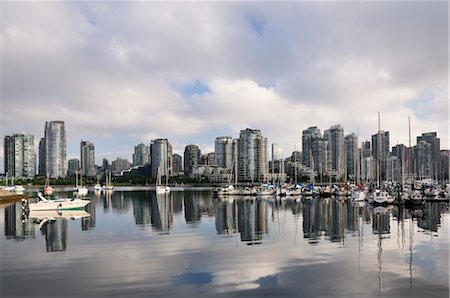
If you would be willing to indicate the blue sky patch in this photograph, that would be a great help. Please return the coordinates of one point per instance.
(196, 87)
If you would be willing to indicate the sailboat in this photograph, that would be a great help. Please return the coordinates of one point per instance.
(108, 185)
(230, 189)
(80, 189)
(159, 187)
(380, 196)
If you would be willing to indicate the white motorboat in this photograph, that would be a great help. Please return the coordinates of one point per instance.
(19, 188)
(58, 204)
(358, 196)
(162, 189)
(228, 190)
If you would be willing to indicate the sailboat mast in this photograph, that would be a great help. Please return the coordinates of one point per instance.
(378, 151)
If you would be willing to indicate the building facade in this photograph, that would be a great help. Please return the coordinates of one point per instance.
(380, 152)
(252, 156)
(192, 158)
(335, 137)
(351, 156)
(87, 157)
(8, 154)
(177, 164)
(73, 167)
(55, 149)
(223, 147)
(161, 157)
(141, 155)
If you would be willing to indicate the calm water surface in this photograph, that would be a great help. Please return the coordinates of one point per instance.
(133, 243)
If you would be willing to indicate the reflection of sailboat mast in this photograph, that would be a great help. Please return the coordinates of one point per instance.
(411, 240)
(379, 256)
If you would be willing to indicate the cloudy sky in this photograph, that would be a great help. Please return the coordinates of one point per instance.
(123, 73)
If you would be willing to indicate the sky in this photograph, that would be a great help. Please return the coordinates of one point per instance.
(122, 73)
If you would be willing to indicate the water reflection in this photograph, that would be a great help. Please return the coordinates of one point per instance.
(376, 246)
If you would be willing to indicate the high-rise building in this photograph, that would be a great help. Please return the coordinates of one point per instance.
(366, 149)
(380, 152)
(208, 159)
(432, 139)
(105, 164)
(335, 137)
(55, 149)
(192, 157)
(177, 165)
(161, 157)
(25, 156)
(322, 164)
(422, 160)
(310, 147)
(351, 155)
(87, 154)
(444, 167)
(73, 167)
(252, 156)
(276, 152)
(223, 152)
(141, 155)
(8, 151)
(41, 166)
(119, 165)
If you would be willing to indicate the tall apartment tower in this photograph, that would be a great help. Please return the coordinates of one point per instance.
(55, 149)
(380, 152)
(161, 157)
(422, 160)
(25, 156)
(141, 155)
(41, 160)
(310, 147)
(432, 139)
(20, 156)
(335, 137)
(87, 154)
(351, 155)
(223, 152)
(192, 157)
(252, 156)
(177, 165)
(8, 153)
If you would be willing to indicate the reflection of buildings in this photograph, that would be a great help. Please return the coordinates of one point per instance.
(119, 203)
(226, 217)
(252, 220)
(380, 221)
(141, 211)
(196, 204)
(14, 227)
(55, 232)
(88, 223)
(161, 212)
(431, 219)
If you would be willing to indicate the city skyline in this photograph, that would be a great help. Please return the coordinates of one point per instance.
(279, 68)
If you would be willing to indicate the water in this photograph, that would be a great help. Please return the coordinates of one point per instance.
(189, 244)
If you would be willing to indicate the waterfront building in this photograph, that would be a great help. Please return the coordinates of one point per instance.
(87, 157)
(368, 169)
(310, 147)
(8, 153)
(252, 156)
(443, 169)
(192, 158)
(322, 165)
(432, 139)
(393, 169)
(177, 164)
(380, 153)
(73, 167)
(422, 160)
(24, 156)
(141, 155)
(119, 165)
(161, 157)
(276, 152)
(105, 164)
(335, 137)
(399, 151)
(55, 149)
(41, 163)
(223, 148)
(351, 156)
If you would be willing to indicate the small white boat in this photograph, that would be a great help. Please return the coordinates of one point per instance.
(358, 196)
(162, 189)
(58, 204)
(382, 197)
(19, 188)
(228, 190)
(97, 186)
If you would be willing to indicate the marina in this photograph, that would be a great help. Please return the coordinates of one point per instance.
(135, 242)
